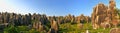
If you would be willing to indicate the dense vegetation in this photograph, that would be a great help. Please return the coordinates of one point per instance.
(72, 28)
(63, 28)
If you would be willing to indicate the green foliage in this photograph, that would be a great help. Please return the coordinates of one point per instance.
(117, 10)
(33, 31)
(72, 28)
(47, 25)
(63, 28)
(10, 29)
(22, 28)
(19, 29)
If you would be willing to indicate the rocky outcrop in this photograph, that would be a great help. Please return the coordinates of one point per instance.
(103, 14)
(115, 30)
(39, 27)
(83, 19)
(54, 26)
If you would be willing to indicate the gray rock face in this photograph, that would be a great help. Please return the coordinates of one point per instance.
(2, 26)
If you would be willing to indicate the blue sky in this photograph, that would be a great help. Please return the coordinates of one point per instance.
(52, 7)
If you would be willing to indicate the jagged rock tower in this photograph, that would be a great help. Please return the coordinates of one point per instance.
(103, 15)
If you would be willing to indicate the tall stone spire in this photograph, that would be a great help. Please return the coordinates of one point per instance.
(103, 15)
(112, 4)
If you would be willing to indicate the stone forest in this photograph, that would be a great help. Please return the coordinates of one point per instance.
(104, 19)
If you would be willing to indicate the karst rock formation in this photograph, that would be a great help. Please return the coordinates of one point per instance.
(103, 15)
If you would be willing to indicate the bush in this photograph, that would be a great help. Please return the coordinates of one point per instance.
(10, 29)
(33, 31)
